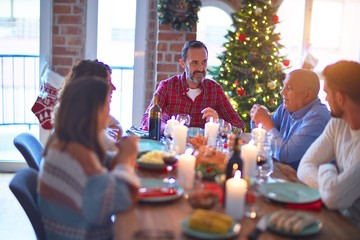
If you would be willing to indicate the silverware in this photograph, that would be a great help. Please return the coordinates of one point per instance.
(260, 227)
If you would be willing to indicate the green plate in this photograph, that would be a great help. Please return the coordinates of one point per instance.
(234, 230)
(288, 192)
(310, 230)
(152, 182)
(146, 145)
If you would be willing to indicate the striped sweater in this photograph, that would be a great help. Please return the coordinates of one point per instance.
(78, 196)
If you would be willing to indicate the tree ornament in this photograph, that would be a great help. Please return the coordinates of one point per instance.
(240, 91)
(242, 37)
(272, 85)
(236, 82)
(181, 14)
(258, 11)
(275, 18)
(286, 63)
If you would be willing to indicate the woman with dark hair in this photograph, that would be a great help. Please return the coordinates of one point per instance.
(79, 186)
(96, 68)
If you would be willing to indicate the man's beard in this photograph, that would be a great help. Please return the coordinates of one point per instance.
(191, 76)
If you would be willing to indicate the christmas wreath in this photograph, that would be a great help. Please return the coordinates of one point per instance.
(182, 14)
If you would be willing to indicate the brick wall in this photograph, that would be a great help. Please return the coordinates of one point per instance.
(68, 40)
(163, 47)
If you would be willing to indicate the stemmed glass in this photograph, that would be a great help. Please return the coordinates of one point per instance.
(265, 158)
(224, 130)
(184, 117)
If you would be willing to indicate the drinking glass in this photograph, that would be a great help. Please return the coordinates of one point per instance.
(265, 158)
(184, 117)
(224, 130)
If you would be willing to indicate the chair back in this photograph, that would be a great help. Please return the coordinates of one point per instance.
(30, 148)
(23, 186)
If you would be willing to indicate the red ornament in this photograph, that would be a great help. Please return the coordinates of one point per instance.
(286, 63)
(242, 37)
(275, 18)
(240, 91)
(236, 82)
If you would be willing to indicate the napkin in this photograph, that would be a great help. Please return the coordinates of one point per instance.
(145, 192)
(312, 206)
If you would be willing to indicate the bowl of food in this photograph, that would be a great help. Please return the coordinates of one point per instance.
(203, 199)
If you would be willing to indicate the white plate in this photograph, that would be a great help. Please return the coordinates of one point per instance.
(288, 192)
(235, 230)
(151, 182)
(310, 230)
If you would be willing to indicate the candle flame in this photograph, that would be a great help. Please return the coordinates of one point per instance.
(211, 119)
(237, 174)
(182, 122)
(172, 117)
(260, 125)
(189, 151)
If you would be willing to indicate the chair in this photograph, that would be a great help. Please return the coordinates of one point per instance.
(23, 186)
(30, 148)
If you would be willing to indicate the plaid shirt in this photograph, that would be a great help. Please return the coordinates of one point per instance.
(173, 100)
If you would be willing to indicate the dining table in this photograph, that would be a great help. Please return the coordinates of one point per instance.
(164, 220)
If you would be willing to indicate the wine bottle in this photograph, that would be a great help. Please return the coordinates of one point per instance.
(155, 119)
(235, 162)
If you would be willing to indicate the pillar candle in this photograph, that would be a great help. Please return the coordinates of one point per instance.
(170, 125)
(211, 131)
(258, 134)
(249, 154)
(236, 188)
(186, 170)
(180, 135)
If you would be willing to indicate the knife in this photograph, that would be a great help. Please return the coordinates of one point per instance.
(260, 227)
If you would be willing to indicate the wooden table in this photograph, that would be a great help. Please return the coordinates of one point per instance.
(168, 216)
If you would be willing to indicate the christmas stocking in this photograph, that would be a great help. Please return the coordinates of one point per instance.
(47, 98)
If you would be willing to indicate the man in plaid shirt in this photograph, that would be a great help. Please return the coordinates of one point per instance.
(191, 93)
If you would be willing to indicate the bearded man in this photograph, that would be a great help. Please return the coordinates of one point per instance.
(192, 93)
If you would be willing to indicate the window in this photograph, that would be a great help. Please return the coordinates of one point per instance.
(211, 29)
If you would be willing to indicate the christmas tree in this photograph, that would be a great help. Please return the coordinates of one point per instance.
(251, 69)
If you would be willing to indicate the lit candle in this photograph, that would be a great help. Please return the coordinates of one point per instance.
(211, 132)
(258, 134)
(236, 188)
(180, 135)
(186, 169)
(170, 124)
(249, 154)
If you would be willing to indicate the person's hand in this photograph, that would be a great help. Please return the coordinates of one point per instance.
(208, 112)
(128, 150)
(260, 114)
(114, 131)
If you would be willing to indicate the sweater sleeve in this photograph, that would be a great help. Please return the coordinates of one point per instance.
(108, 193)
(320, 152)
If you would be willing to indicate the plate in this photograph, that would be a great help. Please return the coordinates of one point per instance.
(146, 145)
(154, 166)
(235, 230)
(288, 192)
(310, 230)
(154, 183)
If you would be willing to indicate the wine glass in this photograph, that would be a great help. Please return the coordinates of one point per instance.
(224, 130)
(265, 158)
(184, 117)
